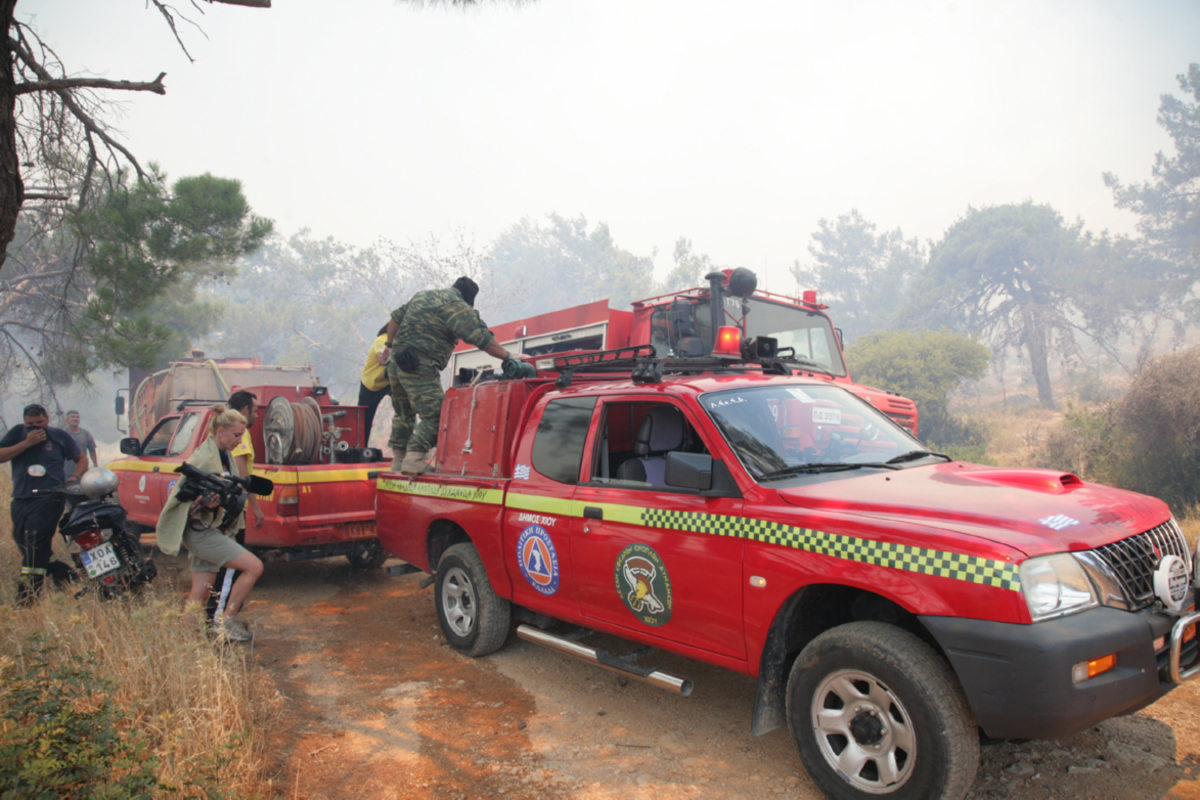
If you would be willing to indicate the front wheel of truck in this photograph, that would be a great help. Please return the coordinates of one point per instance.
(474, 620)
(875, 711)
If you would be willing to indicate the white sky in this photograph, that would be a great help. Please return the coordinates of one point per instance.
(736, 124)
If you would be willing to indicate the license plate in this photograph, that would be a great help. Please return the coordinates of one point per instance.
(100, 560)
(358, 530)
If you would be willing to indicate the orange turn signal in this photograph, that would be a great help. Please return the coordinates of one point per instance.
(1085, 670)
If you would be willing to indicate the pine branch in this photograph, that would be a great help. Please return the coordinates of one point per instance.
(56, 84)
(85, 119)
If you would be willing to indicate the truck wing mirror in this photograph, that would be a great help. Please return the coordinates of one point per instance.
(120, 405)
(689, 471)
(131, 446)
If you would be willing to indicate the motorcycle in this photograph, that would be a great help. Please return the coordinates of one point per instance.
(98, 538)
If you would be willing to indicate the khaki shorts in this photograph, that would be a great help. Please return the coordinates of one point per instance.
(210, 550)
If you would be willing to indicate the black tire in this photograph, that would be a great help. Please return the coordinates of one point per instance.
(368, 555)
(474, 620)
(909, 733)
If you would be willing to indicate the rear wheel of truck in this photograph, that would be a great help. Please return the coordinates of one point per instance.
(474, 620)
(874, 711)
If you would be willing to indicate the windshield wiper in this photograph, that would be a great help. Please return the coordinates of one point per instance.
(807, 366)
(913, 455)
(832, 466)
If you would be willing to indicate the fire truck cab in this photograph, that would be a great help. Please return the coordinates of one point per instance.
(680, 324)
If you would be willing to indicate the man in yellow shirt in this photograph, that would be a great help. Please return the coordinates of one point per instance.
(246, 404)
(374, 386)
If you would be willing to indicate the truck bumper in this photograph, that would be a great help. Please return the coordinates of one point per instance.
(1018, 677)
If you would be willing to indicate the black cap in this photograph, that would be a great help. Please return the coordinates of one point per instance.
(468, 289)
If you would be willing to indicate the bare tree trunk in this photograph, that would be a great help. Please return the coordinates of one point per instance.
(1035, 344)
(12, 189)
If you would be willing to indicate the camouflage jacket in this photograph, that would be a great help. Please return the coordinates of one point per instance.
(433, 321)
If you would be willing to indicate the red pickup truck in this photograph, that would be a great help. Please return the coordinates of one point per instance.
(324, 499)
(892, 603)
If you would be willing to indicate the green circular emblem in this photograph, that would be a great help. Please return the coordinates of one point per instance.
(643, 584)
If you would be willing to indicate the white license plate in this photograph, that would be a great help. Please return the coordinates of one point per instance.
(100, 560)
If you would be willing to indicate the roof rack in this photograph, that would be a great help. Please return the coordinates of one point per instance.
(641, 364)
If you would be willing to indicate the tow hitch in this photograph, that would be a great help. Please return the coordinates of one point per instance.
(603, 658)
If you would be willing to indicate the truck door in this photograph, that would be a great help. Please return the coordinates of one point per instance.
(648, 556)
(537, 515)
(140, 484)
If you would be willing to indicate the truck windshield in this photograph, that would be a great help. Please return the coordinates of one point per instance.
(809, 332)
(787, 430)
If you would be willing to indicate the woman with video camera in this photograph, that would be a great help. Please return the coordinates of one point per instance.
(199, 524)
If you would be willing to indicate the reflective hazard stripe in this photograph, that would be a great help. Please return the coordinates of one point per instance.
(469, 494)
(33, 571)
(926, 561)
(544, 505)
(943, 564)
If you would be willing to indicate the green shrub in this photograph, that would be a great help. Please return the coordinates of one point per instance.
(59, 735)
(1148, 441)
(1159, 422)
(924, 366)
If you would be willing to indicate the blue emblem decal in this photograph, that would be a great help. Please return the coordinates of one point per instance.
(538, 559)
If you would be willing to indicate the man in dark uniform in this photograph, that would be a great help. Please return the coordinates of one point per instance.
(35, 511)
(420, 338)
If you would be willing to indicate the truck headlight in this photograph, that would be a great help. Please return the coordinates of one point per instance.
(1055, 586)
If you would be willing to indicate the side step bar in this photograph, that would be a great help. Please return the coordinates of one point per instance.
(603, 658)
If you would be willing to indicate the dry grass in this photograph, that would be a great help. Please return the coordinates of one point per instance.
(1018, 438)
(206, 710)
(1190, 522)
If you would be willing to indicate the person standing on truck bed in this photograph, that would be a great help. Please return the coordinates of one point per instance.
(246, 404)
(421, 337)
(35, 511)
(375, 385)
(194, 526)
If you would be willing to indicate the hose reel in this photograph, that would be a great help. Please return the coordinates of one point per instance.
(292, 431)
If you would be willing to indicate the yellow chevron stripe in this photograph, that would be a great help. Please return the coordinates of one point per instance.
(959, 566)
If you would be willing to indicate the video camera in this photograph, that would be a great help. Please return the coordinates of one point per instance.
(230, 490)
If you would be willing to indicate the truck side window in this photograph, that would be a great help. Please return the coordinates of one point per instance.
(561, 435)
(634, 440)
(183, 434)
(156, 443)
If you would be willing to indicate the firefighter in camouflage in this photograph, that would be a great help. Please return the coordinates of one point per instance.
(421, 336)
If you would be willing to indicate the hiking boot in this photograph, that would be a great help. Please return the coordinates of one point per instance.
(397, 461)
(232, 629)
(414, 463)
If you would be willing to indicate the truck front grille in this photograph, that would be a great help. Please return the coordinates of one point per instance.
(902, 410)
(1134, 560)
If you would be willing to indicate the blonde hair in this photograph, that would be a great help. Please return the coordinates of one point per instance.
(224, 417)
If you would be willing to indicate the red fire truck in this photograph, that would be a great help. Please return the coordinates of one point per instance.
(324, 476)
(891, 603)
(801, 324)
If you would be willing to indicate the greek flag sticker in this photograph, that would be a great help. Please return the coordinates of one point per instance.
(521, 472)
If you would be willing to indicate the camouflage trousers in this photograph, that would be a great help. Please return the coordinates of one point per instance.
(414, 394)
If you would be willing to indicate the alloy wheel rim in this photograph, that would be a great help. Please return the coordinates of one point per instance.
(864, 732)
(458, 602)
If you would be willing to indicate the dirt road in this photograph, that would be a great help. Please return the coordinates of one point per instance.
(380, 707)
